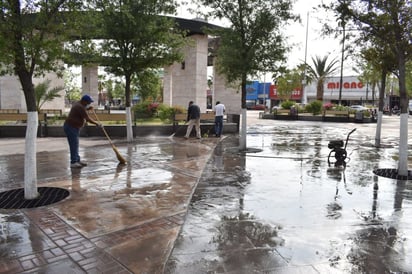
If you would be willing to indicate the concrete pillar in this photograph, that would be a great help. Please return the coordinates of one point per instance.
(229, 95)
(187, 81)
(11, 93)
(90, 81)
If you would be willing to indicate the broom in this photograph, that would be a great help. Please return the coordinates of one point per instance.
(118, 155)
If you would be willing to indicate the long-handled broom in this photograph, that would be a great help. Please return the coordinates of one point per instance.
(118, 155)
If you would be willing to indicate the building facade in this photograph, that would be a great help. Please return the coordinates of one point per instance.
(353, 92)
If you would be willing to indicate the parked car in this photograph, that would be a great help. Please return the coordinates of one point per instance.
(358, 108)
(259, 107)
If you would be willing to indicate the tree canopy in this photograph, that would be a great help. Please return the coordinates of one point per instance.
(252, 43)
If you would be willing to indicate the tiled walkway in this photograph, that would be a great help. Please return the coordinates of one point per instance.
(118, 219)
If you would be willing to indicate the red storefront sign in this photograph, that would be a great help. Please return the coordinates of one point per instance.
(345, 85)
(296, 93)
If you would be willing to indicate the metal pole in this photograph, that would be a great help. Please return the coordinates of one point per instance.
(341, 67)
(304, 95)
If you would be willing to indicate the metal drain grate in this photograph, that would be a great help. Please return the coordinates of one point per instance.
(14, 199)
(392, 173)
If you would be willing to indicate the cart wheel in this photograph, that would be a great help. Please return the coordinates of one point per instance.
(341, 155)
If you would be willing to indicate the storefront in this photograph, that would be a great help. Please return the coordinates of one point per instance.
(353, 91)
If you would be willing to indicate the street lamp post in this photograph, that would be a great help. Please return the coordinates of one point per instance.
(341, 66)
(304, 95)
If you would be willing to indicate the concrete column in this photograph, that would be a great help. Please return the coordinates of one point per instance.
(187, 81)
(11, 93)
(90, 81)
(168, 85)
(229, 95)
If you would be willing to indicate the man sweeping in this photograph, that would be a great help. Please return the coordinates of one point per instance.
(75, 121)
(193, 117)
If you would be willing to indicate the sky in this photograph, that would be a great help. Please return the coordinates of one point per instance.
(317, 45)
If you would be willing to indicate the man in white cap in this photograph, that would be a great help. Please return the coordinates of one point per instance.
(75, 120)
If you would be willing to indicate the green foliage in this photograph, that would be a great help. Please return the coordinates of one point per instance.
(72, 91)
(253, 43)
(145, 110)
(314, 107)
(340, 107)
(287, 104)
(319, 71)
(288, 82)
(31, 45)
(45, 94)
(300, 108)
(148, 84)
(386, 27)
(166, 113)
(140, 38)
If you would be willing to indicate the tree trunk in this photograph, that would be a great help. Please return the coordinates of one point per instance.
(30, 167)
(380, 109)
(129, 129)
(129, 126)
(30, 157)
(243, 127)
(319, 90)
(403, 137)
(243, 130)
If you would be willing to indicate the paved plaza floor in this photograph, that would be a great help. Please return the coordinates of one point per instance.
(201, 206)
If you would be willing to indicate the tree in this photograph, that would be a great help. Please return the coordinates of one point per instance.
(137, 38)
(72, 90)
(319, 72)
(379, 59)
(288, 82)
(409, 78)
(44, 94)
(388, 23)
(148, 84)
(252, 44)
(31, 38)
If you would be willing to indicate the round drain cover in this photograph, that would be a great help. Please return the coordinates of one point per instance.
(14, 199)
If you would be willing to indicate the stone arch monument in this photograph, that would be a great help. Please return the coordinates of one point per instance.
(183, 82)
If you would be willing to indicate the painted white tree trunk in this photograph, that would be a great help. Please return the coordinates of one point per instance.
(30, 166)
(243, 131)
(129, 128)
(378, 129)
(403, 145)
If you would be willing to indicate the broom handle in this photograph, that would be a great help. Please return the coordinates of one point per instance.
(104, 130)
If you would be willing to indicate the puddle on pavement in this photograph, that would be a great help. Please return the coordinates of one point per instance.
(300, 211)
(19, 237)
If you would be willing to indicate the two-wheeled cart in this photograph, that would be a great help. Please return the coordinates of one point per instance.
(338, 151)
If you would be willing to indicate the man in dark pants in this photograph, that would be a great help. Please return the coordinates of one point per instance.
(219, 112)
(193, 117)
(76, 120)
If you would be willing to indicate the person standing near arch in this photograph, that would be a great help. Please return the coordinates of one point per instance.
(219, 112)
(193, 117)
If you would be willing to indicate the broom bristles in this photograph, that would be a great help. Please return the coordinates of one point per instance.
(118, 155)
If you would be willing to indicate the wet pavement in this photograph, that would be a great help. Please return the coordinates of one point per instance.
(200, 206)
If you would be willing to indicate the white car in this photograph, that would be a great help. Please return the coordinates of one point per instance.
(358, 108)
